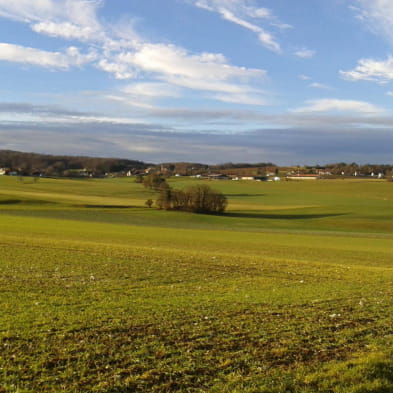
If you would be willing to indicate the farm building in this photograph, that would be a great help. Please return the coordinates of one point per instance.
(247, 178)
(257, 178)
(302, 177)
(218, 176)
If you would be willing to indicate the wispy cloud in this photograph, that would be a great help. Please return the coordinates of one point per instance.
(243, 7)
(27, 108)
(55, 60)
(207, 71)
(325, 114)
(305, 53)
(377, 15)
(119, 51)
(143, 94)
(242, 13)
(82, 12)
(317, 85)
(337, 105)
(151, 90)
(242, 99)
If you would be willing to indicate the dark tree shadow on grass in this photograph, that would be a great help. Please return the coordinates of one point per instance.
(106, 206)
(283, 216)
(244, 195)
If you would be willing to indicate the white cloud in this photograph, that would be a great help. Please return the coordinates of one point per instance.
(305, 53)
(282, 26)
(259, 12)
(268, 41)
(243, 99)
(119, 70)
(377, 15)
(321, 86)
(333, 105)
(246, 7)
(371, 70)
(151, 90)
(26, 55)
(65, 30)
(177, 62)
(118, 50)
(207, 71)
(143, 94)
(238, 12)
(79, 12)
(304, 77)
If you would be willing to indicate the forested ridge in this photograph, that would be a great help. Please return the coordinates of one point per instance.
(34, 163)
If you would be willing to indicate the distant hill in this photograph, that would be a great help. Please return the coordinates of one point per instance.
(28, 164)
(53, 165)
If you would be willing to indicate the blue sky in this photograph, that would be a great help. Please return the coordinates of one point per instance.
(292, 82)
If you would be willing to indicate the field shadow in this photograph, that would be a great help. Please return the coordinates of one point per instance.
(106, 206)
(283, 216)
(380, 370)
(244, 195)
(25, 201)
(10, 202)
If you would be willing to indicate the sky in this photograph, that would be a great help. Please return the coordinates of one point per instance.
(212, 81)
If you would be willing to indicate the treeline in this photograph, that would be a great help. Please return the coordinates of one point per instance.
(191, 168)
(184, 168)
(341, 168)
(231, 165)
(30, 164)
(34, 164)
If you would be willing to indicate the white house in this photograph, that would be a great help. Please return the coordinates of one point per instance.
(248, 178)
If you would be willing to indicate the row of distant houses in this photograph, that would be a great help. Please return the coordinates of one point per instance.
(273, 177)
(221, 176)
(292, 175)
(263, 178)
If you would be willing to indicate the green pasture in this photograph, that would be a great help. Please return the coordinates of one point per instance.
(332, 205)
(289, 291)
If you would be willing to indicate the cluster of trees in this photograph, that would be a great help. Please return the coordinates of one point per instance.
(184, 168)
(28, 164)
(152, 181)
(197, 199)
(231, 165)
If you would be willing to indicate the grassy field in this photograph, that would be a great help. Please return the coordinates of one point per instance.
(289, 291)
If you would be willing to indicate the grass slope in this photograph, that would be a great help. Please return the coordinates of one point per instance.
(289, 292)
